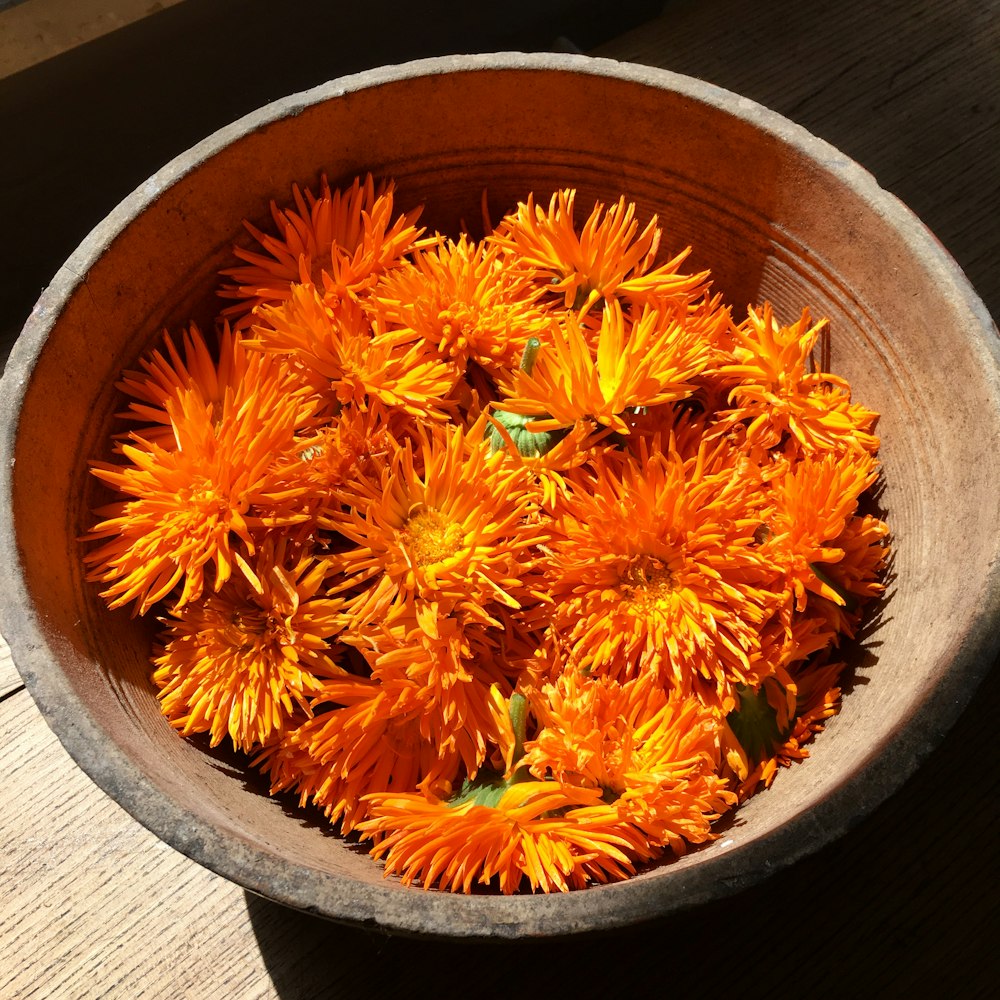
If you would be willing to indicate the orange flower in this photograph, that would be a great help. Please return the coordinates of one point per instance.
(516, 557)
(339, 241)
(653, 758)
(633, 363)
(764, 736)
(619, 783)
(547, 458)
(193, 505)
(524, 833)
(446, 666)
(347, 363)
(167, 372)
(358, 742)
(857, 576)
(813, 501)
(245, 660)
(654, 569)
(776, 395)
(457, 298)
(325, 460)
(444, 521)
(608, 259)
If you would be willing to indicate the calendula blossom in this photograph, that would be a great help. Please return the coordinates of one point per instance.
(672, 584)
(337, 241)
(629, 363)
(460, 299)
(242, 662)
(444, 520)
(347, 363)
(193, 510)
(777, 394)
(607, 259)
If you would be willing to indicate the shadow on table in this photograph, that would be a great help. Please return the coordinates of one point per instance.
(309, 957)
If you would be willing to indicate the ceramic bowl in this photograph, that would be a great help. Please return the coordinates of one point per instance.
(774, 212)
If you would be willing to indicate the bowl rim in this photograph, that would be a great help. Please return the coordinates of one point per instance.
(443, 914)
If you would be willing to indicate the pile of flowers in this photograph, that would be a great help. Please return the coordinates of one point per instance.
(518, 557)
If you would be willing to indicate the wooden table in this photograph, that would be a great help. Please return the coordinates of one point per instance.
(94, 906)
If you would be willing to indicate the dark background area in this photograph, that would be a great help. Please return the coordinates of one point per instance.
(83, 129)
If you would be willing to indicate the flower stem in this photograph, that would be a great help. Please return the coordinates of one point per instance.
(529, 355)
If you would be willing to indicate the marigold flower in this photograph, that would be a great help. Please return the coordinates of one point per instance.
(654, 758)
(672, 583)
(549, 467)
(445, 666)
(857, 577)
(458, 298)
(812, 503)
(194, 505)
(170, 370)
(528, 835)
(630, 787)
(348, 363)
(359, 742)
(443, 521)
(607, 259)
(770, 737)
(776, 394)
(243, 661)
(634, 362)
(339, 241)
(325, 460)
(516, 557)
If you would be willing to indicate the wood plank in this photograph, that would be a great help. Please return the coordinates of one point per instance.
(36, 30)
(96, 908)
(10, 679)
(93, 904)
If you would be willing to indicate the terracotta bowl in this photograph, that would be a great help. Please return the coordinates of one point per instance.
(774, 212)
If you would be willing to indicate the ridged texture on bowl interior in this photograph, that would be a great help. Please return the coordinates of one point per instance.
(776, 214)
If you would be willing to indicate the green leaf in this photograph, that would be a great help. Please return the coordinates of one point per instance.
(486, 790)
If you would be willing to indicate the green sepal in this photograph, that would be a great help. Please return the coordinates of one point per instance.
(755, 723)
(486, 789)
(530, 444)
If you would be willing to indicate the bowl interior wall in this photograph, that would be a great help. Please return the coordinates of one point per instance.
(771, 223)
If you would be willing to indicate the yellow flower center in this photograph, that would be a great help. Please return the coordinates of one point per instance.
(252, 621)
(430, 537)
(455, 324)
(202, 503)
(647, 586)
(250, 628)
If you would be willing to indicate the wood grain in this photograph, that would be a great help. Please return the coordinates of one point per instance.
(96, 908)
(10, 679)
(93, 905)
(36, 30)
